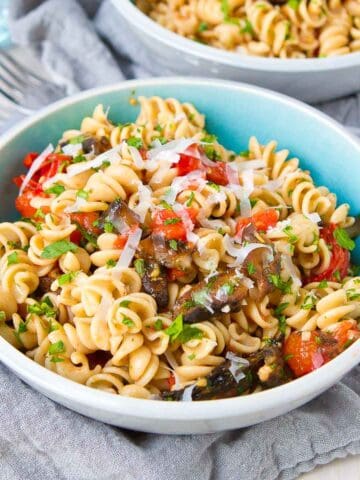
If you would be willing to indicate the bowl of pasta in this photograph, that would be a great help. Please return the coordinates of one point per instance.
(163, 241)
(306, 49)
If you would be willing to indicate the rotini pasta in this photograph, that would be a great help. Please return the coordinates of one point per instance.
(153, 262)
(289, 29)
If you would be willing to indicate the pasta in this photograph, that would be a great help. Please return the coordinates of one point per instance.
(265, 28)
(152, 262)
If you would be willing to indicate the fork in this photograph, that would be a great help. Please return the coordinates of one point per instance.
(21, 89)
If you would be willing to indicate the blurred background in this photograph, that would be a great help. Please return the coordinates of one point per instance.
(4, 17)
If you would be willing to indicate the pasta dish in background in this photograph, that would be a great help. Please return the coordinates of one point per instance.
(279, 28)
(152, 262)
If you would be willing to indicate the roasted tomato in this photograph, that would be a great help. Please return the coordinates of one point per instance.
(261, 221)
(86, 221)
(52, 165)
(217, 174)
(187, 164)
(174, 274)
(305, 352)
(340, 258)
(29, 159)
(346, 333)
(169, 223)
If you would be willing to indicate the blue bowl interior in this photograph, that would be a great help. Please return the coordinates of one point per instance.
(233, 114)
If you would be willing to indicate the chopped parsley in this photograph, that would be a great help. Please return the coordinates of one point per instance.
(288, 357)
(55, 349)
(192, 356)
(158, 325)
(39, 213)
(337, 276)
(203, 27)
(290, 234)
(182, 333)
(110, 263)
(247, 28)
(165, 205)
(139, 265)
(213, 185)
(82, 194)
(323, 284)
(190, 199)
(135, 142)
(251, 268)
(55, 189)
(352, 294)
(225, 8)
(128, 322)
(228, 288)
(13, 258)
(172, 221)
(22, 328)
(44, 307)
(173, 244)
(309, 302)
(294, 4)
(67, 278)
(342, 238)
(245, 153)
(58, 248)
(125, 303)
(76, 140)
(79, 158)
(278, 282)
(280, 308)
(108, 226)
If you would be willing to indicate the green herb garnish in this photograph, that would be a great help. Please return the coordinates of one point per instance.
(172, 221)
(58, 248)
(139, 265)
(55, 349)
(76, 140)
(173, 244)
(158, 325)
(190, 199)
(55, 189)
(135, 142)
(342, 238)
(290, 234)
(203, 27)
(13, 258)
(128, 322)
(125, 303)
(251, 268)
(323, 284)
(82, 194)
(278, 282)
(110, 263)
(67, 278)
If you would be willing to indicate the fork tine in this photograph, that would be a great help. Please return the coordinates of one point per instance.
(12, 103)
(11, 90)
(21, 69)
(11, 72)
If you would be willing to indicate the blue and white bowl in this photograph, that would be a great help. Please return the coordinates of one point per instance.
(234, 112)
(311, 80)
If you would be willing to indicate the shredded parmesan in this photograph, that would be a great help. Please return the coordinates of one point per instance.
(111, 156)
(37, 163)
(130, 248)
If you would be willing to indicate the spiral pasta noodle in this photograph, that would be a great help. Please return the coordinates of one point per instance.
(156, 263)
(300, 29)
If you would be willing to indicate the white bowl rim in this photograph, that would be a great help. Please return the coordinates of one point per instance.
(288, 393)
(139, 20)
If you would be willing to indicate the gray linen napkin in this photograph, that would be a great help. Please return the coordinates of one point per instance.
(42, 440)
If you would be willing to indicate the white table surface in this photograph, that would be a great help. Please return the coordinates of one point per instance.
(342, 469)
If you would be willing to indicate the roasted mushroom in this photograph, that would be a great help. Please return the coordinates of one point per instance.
(120, 216)
(99, 146)
(222, 293)
(238, 375)
(154, 281)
